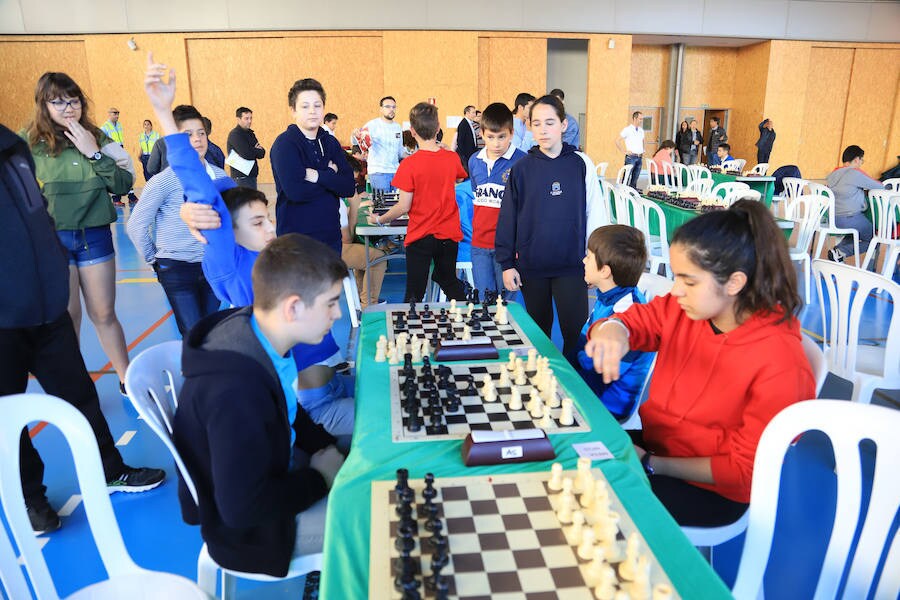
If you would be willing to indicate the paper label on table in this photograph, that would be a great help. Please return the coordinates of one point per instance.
(593, 450)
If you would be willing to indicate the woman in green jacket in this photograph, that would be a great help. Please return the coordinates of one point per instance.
(77, 174)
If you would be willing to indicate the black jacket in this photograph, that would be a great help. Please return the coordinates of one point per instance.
(684, 141)
(717, 137)
(766, 139)
(465, 142)
(33, 263)
(232, 431)
(243, 141)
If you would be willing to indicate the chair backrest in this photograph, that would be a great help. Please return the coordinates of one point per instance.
(653, 285)
(793, 186)
(661, 240)
(760, 168)
(847, 425)
(153, 381)
(807, 212)
(624, 174)
(824, 190)
(18, 411)
(844, 290)
(730, 191)
(892, 184)
(816, 359)
(734, 165)
(607, 196)
(601, 169)
(745, 195)
(682, 175)
(700, 172)
(885, 205)
(628, 207)
(701, 186)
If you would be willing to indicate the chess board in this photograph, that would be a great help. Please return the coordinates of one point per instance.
(474, 413)
(505, 540)
(504, 337)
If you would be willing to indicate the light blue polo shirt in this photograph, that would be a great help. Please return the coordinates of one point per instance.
(287, 374)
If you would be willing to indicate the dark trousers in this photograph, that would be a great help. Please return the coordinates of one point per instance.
(420, 255)
(50, 352)
(144, 159)
(762, 156)
(688, 504)
(570, 295)
(636, 171)
(243, 181)
(187, 290)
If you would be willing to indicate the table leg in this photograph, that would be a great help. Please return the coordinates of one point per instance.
(368, 273)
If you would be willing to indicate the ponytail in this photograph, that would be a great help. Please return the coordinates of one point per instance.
(745, 238)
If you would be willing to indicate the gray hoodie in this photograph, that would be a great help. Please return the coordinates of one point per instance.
(849, 186)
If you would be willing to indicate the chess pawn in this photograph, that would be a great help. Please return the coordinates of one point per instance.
(555, 483)
(586, 548)
(628, 568)
(504, 378)
(416, 351)
(511, 365)
(537, 410)
(467, 333)
(470, 309)
(520, 372)
(553, 400)
(458, 318)
(640, 587)
(597, 566)
(606, 589)
(394, 356)
(381, 351)
(577, 530)
(583, 477)
(532, 360)
(452, 305)
(425, 348)
(566, 417)
(515, 399)
(587, 496)
(501, 317)
(546, 421)
(488, 391)
(607, 527)
(564, 512)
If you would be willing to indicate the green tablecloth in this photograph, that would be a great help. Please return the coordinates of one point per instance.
(345, 573)
(764, 185)
(676, 217)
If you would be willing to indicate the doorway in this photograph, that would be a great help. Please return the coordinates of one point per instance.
(703, 115)
(567, 69)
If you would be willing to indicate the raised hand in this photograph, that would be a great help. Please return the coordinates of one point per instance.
(81, 138)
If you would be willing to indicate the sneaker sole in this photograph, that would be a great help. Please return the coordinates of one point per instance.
(133, 489)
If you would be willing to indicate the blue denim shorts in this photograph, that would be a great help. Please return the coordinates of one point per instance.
(89, 246)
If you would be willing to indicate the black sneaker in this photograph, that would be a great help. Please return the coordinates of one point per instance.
(43, 518)
(136, 480)
(117, 200)
(836, 255)
(132, 199)
(122, 390)
(343, 368)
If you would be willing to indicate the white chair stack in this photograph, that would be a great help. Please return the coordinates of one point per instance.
(844, 290)
(807, 212)
(601, 169)
(699, 172)
(885, 206)
(793, 187)
(759, 169)
(892, 184)
(125, 578)
(624, 174)
(682, 175)
(737, 164)
(730, 191)
(701, 186)
(828, 226)
(847, 425)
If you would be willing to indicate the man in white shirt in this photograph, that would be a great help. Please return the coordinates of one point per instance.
(387, 145)
(631, 143)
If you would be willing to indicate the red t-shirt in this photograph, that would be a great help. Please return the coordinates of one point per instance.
(431, 177)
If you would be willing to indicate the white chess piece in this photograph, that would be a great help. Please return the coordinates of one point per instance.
(628, 568)
(566, 417)
(416, 351)
(467, 333)
(532, 360)
(586, 548)
(546, 421)
(583, 476)
(458, 318)
(381, 349)
(662, 591)
(555, 483)
(537, 409)
(515, 399)
(471, 309)
(504, 378)
(426, 347)
(393, 356)
(564, 512)
(511, 365)
(577, 529)
(606, 589)
(501, 316)
(640, 587)
(488, 390)
(520, 373)
(553, 400)
(595, 569)
(452, 305)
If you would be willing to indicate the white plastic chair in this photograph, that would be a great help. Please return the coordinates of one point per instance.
(707, 538)
(607, 196)
(828, 227)
(730, 191)
(661, 174)
(885, 209)
(601, 169)
(125, 578)
(734, 165)
(653, 285)
(624, 174)
(657, 245)
(807, 212)
(760, 169)
(892, 184)
(699, 172)
(682, 175)
(351, 293)
(701, 186)
(434, 291)
(153, 381)
(847, 425)
(793, 187)
(628, 206)
(845, 290)
(816, 359)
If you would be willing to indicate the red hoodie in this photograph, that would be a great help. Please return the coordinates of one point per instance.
(712, 395)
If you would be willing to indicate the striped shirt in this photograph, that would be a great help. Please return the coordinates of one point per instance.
(155, 226)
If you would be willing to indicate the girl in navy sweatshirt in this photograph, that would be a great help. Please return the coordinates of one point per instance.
(551, 205)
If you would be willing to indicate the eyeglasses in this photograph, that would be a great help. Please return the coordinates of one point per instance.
(389, 106)
(60, 105)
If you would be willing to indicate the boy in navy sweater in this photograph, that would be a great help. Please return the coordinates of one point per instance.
(488, 171)
(614, 261)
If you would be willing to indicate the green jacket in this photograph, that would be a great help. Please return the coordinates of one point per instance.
(77, 189)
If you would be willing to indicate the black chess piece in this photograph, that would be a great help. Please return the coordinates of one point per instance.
(475, 299)
(406, 582)
(443, 316)
(412, 310)
(400, 323)
(405, 541)
(427, 314)
(407, 362)
(442, 588)
(429, 492)
(471, 388)
(402, 480)
(436, 418)
(414, 423)
(476, 324)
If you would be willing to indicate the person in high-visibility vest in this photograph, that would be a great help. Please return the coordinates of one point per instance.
(113, 129)
(147, 140)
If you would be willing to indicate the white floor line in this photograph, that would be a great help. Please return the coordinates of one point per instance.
(69, 507)
(126, 437)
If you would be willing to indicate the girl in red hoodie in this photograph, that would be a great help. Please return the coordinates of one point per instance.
(729, 359)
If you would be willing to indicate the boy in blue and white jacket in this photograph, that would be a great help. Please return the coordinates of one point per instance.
(614, 261)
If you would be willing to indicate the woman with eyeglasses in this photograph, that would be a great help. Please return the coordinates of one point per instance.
(78, 167)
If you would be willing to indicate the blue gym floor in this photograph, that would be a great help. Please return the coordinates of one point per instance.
(158, 539)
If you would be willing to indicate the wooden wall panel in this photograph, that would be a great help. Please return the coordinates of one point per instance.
(609, 78)
(709, 75)
(870, 105)
(516, 64)
(893, 150)
(826, 100)
(649, 75)
(749, 100)
(484, 72)
(786, 94)
(22, 65)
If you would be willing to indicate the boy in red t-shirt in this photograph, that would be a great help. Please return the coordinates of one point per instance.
(426, 182)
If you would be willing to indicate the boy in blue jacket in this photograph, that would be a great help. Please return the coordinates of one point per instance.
(614, 261)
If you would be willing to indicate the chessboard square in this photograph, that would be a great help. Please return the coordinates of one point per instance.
(544, 519)
(529, 424)
(455, 419)
(489, 523)
(504, 582)
(522, 539)
(551, 537)
(527, 559)
(470, 586)
(465, 543)
(567, 577)
(559, 556)
(481, 370)
(491, 541)
(500, 417)
(460, 525)
(475, 413)
(516, 522)
(467, 562)
(454, 492)
(532, 487)
(499, 560)
(453, 510)
(495, 409)
(484, 507)
(511, 506)
(506, 490)
(534, 503)
(537, 581)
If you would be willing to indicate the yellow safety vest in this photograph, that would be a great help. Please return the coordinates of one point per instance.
(114, 132)
(147, 142)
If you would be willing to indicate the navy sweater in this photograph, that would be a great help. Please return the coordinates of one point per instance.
(543, 218)
(304, 207)
(231, 428)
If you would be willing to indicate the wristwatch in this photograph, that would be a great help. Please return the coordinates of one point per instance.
(95, 156)
(645, 462)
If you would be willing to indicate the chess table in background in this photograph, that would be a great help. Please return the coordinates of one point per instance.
(505, 540)
(474, 414)
(504, 337)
